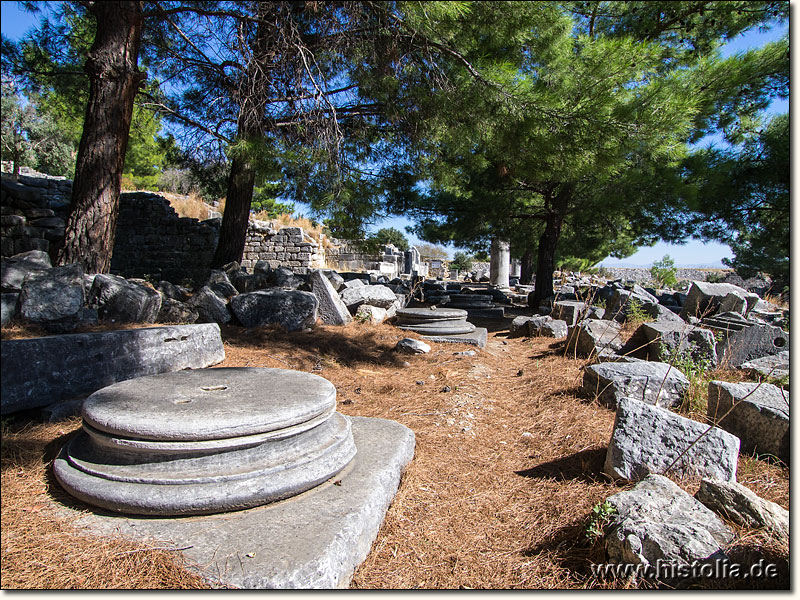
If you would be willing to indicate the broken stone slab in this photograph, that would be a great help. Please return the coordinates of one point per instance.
(659, 341)
(53, 295)
(174, 311)
(753, 342)
(554, 328)
(519, 326)
(373, 295)
(775, 366)
(352, 283)
(209, 306)
(246, 282)
(286, 279)
(312, 541)
(220, 284)
(725, 322)
(620, 300)
(654, 382)
(292, 309)
(658, 520)
(569, 311)
(118, 300)
(434, 321)
(477, 337)
(9, 307)
(757, 413)
(14, 269)
(741, 505)
(594, 337)
(367, 313)
(704, 299)
(332, 310)
(176, 292)
(336, 280)
(38, 372)
(412, 346)
(649, 439)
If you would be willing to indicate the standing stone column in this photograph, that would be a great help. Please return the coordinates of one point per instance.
(516, 268)
(499, 265)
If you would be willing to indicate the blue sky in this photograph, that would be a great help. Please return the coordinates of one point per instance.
(15, 22)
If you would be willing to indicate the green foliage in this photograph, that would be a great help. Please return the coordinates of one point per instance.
(432, 251)
(461, 261)
(599, 517)
(390, 235)
(664, 272)
(635, 314)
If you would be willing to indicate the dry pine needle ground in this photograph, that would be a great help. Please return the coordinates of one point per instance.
(508, 466)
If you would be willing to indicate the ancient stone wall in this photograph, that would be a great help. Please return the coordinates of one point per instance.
(344, 256)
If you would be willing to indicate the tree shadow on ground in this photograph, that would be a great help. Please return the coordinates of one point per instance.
(554, 349)
(585, 466)
(348, 346)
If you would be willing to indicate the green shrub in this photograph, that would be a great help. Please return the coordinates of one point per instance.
(664, 272)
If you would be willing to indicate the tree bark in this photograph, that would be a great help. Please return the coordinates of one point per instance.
(526, 268)
(548, 242)
(114, 79)
(241, 183)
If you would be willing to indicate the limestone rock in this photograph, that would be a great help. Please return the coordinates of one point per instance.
(53, 295)
(412, 346)
(658, 520)
(776, 365)
(705, 298)
(569, 311)
(741, 505)
(555, 328)
(285, 279)
(592, 336)
(14, 269)
(648, 439)
(9, 307)
(612, 381)
(332, 310)
(175, 311)
(209, 306)
(245, 282)
(374, 295)
(292, 309)
(658, 341)
(366, 313)
(176, 292)
(118, 300)
(753, 342)
(220, 284)
(336, 280)
(352, 283)
(759, 415)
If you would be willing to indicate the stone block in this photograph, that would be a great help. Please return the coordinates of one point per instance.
(412, 346)
(38, 372)
(209, 306)
(373, 295)
(775, 365)
(9, 307)
(53, 295)
(14, 269)
(121, 301)
(332, 310)
(756, 413)
(292, 309)
(648, 439)
(741, 505)
(592, 337)
(555, 328)
(657, 520)
(755, 341)
(569, 311)
(704, 299)
(366, 313)
(175, 311)
(612, 381)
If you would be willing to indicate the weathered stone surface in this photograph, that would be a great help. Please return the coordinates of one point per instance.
(741, 505)
(612, 381)
(352, 283)
(658, 341)
(9, 307)
(174, 311)
(118, 300)
(593, 337)
(759, 415)
(55, 294)
(776, 365)
(245, 282)
(315, 540)
(374, 295)
(332, 310)
(753, 342)
(648, 439)
(286, 279)
(477, 337)
(367, 313)
(412, 346)
(292, 309)
(704, 299)
(41, 371)
(569, 311)
(220, 284)
(176, 292)
(209, 306)
(336, 280)
(14, 269)
(555, 328)
(519, 326)
(658, 520)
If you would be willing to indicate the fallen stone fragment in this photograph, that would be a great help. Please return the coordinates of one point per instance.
(175, 311)
(648, 439)
(9, 307)
(753, 342)
(704, 299)
(14, 269)
(775, 366)
(592, 336)
(757, 413)
(367, 313)
(658, 520)
(555, 328)
(332, 310)
(209, 306)
(741, 505)
(120, 301)
(412, 346)
(373, 295)
(568, 310)
(53, 295)
(654, 382)
(292, 309)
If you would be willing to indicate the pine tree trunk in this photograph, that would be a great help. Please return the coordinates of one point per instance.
(232, 234)
(241, 183)
(114, 79)
(526, 267)
(548, 242)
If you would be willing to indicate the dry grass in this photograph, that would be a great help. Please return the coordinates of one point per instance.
(508, 465)
(191, 206)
